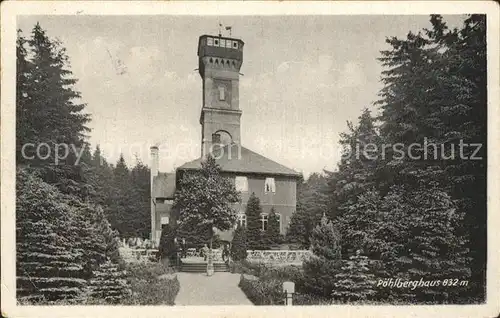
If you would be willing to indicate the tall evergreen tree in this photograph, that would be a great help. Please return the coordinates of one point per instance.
(254, 223)
(435, 94)
(272, 234)
(50, 264)
(49, 111)
(239, 244)
(320, 269)
(312, 203)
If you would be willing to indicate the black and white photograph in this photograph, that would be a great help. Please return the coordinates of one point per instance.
(167, 155)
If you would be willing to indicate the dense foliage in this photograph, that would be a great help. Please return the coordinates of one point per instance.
(204, 200)
(320, 269)
(66, 194)
(410, 190)
(167, 249)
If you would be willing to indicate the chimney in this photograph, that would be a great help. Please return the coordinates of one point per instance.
(154, 161)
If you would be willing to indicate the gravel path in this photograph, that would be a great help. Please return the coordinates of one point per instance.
(219, 289)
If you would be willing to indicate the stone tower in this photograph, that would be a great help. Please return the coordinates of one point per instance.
(220, 60)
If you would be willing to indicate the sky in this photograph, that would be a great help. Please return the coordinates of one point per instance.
(303, 78)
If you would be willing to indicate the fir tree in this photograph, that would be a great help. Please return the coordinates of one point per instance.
(355, 280)
(49, 257)
(239, 244)
(254, 225)
(109, 283)
(49, 111)
(320, 270)
(272, 234)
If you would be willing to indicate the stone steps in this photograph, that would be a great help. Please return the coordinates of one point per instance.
(202, 267)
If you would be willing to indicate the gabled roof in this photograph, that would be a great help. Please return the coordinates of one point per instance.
(247, 162)
(164, 185)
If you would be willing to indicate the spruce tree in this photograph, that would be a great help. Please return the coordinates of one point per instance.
(50, 111)
(272, 234)
(320, 269)
(298, 229)
(108, 283)
(435, 94)
(239, 244)
(254, 224)
(50, 262)
(355, 280)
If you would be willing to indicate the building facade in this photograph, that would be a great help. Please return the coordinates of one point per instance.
(220, 60)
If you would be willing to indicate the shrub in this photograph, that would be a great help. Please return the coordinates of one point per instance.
(149, 287)
(262, 292)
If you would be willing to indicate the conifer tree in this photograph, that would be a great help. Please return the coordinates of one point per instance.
(239, 244)
(299, 228)
(254, 224)
(49, 110)
(49, 264)
(272, 234)
(355, 280)
(321, 268)
(109, 283)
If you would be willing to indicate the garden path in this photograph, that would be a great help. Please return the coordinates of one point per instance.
(219, 289)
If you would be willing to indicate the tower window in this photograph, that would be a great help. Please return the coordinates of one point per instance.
(164, 220)
(216, 42)
(222, 95)
(222, 43)
(235, 44)
(241, 184)
(216, 138)
(269, 186)
(210, 41)
(228, 44)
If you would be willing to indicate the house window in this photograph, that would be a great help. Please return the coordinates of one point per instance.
(222, 93)
(164, 220)
(241, 219)
(241, 184)
(269, 186)
(264, 218)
